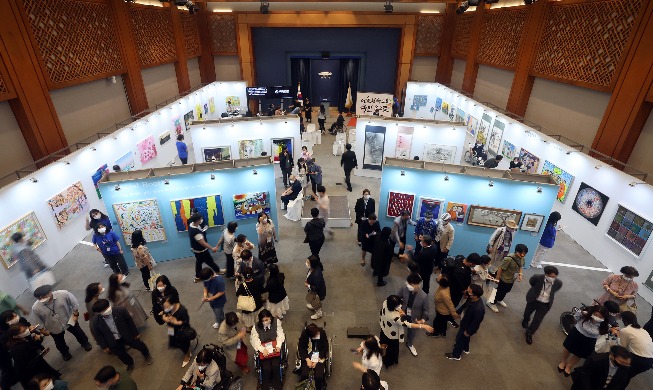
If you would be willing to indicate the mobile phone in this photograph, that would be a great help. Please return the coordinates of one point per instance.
(353, 350)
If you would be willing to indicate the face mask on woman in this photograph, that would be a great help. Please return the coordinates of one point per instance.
(49, 386)
(13, 321)
(97, 216)
(25, 334)
(410, 288)
(308, 265)
(597, 319)
(122, 278)
(161, 288)
(267, 323)
(626, 278)
(168, 310)
(102, 230)
(366, 197)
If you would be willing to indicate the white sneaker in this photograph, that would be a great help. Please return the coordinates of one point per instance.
(106, 265)
(412, 350)
(309, 306)
(502, 303)
(317, 315)
(216, 325)
(538, 266)
(492, 307)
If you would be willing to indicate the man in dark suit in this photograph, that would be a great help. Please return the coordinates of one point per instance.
(313, 351)
(292, 192)
(539, 299)
(426, 260)
(248, 260)
(609, 370)
(113, 329)
(285, 163)
(348, 162)
(364, 207)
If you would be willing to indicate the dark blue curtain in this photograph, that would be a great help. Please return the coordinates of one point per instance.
(300, 72)
(348, 75)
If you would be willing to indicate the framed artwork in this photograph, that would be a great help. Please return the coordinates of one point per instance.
(198, 112)
(438, 104)
(250, 148)
(126, 162)
(404, 142)
(630, 230)
(278, 144)
(590, 203)
(164, 137)
(210, 207)
(176, 122)
(429, 204)
(206, 108)
(146, 149)
(232, 101)
(212, 105)
(31, 228)
(189, 117)
(472, 124)
(97, 176)
(491, 217)
(452, 112)
(143, 215)
(419, 101)
(445, 108)
(530, 161)
(460, 115)
(374, 147)
(561, 177)
(249, 205)
(494, 143)
(398, 202)
(216, 153)
(457, 211)
(439, 153)
(532, 222)
(482, 134)
(68, 204)
(508, 151)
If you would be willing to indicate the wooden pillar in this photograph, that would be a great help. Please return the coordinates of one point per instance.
(445, 60)
(133, 80)
(32, 107)
(181, 65)
(245, 51)
(522, 82)
(471, 67)
(628, 109)
(406, 54)
(206, 62)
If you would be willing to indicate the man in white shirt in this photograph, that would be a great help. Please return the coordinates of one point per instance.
(539, 299)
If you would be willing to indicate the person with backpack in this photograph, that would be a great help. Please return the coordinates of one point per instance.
(510, 266)
(460, 274)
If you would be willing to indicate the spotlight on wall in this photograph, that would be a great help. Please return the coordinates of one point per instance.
(403, 173)
(93, 148)
(33, 180)
(254, 172)
(529, 2)
(633, 184)
(491, 183)
(65, 162)
(166, 181)
(388, 8)
(598, 166)
(117, 187)
(212, 176)
(265, 7)
(446, 177)
(539, 190)
(204, 127)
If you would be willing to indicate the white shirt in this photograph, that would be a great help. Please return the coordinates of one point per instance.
(545, 293)
(374, 363)
(637, 341)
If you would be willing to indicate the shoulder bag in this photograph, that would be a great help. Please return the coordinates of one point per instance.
(246, 302)
(186, 333)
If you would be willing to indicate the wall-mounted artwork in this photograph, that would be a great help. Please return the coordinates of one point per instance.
(438, 104)
(590, 203)
(126, 162)
(146, 149)
(32, 231)
(457, 211)
(250, 148)
(212, 105)
(232, 102)
(561, 177)
(189, 117)
(249, 205)
(494, 144)
(176, 122)
(198, 112)
(460, 115)
(491, 217)
(216, 153)
(630, 230)
(531, 162)
(143, 215)
(452, 112)
(164, 137)
(439, 153)
(206, 109)
(445, 108)
(210, 207)
(278, 144)
(483, 132)
(429, 204)
(68, 204)
(472, 125)
(532, 222)
(374, 146)
(97, 176)
(398, 202)
(419, 101)
(404, 141)
(508, 151)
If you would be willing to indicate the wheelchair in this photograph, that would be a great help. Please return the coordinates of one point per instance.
(328, 363)
(228, 381)
(282, 367)
(568, 320)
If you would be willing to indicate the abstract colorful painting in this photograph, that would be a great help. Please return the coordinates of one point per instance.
(445, 108)
(419, 101)
(494, 144)
(212, 105)
(561, 177)
(32, 232)
(198, 112)
(176, 122)
(439, 153)
(210, 207)
(278, 144)
(429, 204)
(189, 117)
(398, 202)
(146, 149)
(590, 203)
(531, 162)
(249, 205)
(438, 104)
(457, 211)
(232, 102)
(68, 204)
(472, 124)
(374, 147)
(404, 142)
(460, 115)
(143, 215)
(483, 132)
(508, 151)
(126, 162)
(250, 148)
(630, 230)
(97, 176)
(216, 153)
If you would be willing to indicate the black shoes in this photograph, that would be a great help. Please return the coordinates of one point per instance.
(450, 356)
(524, 324)
(381, 283)
(67, 357)
(529, 338)
(434, 335)
(87, 347)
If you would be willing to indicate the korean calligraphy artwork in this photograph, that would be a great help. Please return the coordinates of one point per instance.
(367, 103)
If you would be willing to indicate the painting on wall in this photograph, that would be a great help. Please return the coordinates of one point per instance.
(561, 177)
(494, 143)
(278, 144)
(590, 203)
(216, 153)
(491, 216)
(250, 148)
(438, 104)
(209, 207)
(508, 151)
(445, 108)
(531, 162)
(206, 109)
(126, 162)
(404, 141)
(146, 149)
(460, 115)
(374, 146)
(472, 124)
(457, 211)
(398, 202)
(418, 102)
(97, 176)
(439, 153)
(212, 105)
(143, 215)
(630, 230)
(68, 204)
(452, 112)
(198, 112)
(429, 204)
(164, 137)
(532, 222)
(232, 102)
(176, 122)
(482, 134)
(189, 117)
(249, 205)
(32, 231)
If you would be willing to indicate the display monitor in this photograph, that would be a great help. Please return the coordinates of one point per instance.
(280, 91)
(257, 92)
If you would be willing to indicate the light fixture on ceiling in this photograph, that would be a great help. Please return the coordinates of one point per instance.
(598, 166)
(388, 8)
(633, 184)
(117, 187)
(265, 7)
(254, 172)
(529, 2)
(166, 181)
(93, 148)
(462, 7)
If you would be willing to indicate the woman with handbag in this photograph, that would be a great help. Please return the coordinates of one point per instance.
(500, 242)
(267, 236)
(142, 257)
(180, 333)
(267, 339)
(121, 295)
(231, 337)
(162, 290)
(621, 289)
(638, 342)
(249, 297)
(316, 286)
(371, 355)
(242, 243)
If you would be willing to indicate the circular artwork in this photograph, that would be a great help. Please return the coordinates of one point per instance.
(589, 203)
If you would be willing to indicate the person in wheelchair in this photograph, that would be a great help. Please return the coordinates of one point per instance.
(338, 125)
(203, 374)
(313, 350)
(267, 340)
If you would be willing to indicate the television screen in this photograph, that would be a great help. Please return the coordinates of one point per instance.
(257, 92)
(280, 91)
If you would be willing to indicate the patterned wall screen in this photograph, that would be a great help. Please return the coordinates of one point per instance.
(583, 42)
(429, 35)
(223, 34)
(500, 34)
(76, 39)
(462, 35)
(191, 34)
(155, 36)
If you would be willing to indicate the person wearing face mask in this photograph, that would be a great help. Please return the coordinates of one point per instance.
(111, 379)
(445, 310)
(500, 242)
(250, 286)
(231, 337)
(443, 239)
(107, 242)
(324, 205)
(93, 292)
(364, 207)
(45, 381)
(471, 322)
(114, 329)
(247, 259)
(242, 244)
(120, 295)
(7, 372)
(313, 350)
(291, 193)
(539, 299)
(163, 289)
(620, 288)
(370, 228)
(267, 236)
(176, 316)
(414, 302)
(348, 162)
(316, 286)
(27, 353)
(267, 339)
(199, 246)
(511, 265)
(638, 342)
(142, 257)
(400, 229)
(28, 261)
(425, 226)
(314, 230)
(425, 259)
(203, 374)
(95, 218)
(580, 342)
(58, 311)
(228, 241)
(609, 370)
(382, 255)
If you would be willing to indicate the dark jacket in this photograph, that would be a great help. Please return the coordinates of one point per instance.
(305, 344)
(275, 289)
(367, 243)
(316, 281)
(382, 256)
(426, 259)
(255, 289)
(282, 161)
(124, 324)
(473, 317)
(258, 267)
(594, 372)
(28, 361)
(364, 211)
(295, 188)
(537, 283)
(348, 160)
(157, 302)
(491, 163)
(460, 278)
(314, 229)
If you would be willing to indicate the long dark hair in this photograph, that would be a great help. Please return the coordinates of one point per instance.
(372, 346)
(263, 314)
(554, 217)
(138, 239)
(275, 274)
(629, 318)
(114, 286)
(603, 327)
(163, 279)
(92, 291)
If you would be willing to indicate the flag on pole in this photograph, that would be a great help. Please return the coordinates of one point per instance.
(349, 102)
(299, 94)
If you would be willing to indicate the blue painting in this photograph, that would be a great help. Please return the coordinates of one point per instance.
(209, 207)
(429, 204)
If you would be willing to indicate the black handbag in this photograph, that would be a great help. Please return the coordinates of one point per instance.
(187, 333)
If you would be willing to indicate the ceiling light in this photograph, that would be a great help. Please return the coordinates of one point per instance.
(93, 148)
(117, 187)
(166, 181)
(254, 172)
(265, 7)
(388, 7)
(598, 166)
(633, 184)
(212, 176)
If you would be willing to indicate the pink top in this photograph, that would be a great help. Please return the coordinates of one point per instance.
(620, 286)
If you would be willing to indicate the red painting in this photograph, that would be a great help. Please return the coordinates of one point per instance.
(398, 202)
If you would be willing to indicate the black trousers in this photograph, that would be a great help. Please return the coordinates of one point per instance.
(204, 257)
(184, 161)
(271, 373)
(440, 323)
(318, 374)
(462, 343)
(348, 178)
(120, 351)
(230, 265)
(117, 263)
(403, 241)
(145, 274)
(287, 198)
(426, 278)
(439, 254)
(60, 340)
(321, 123)
(285, 173)
(502, 290)
(540, 309)
(456, 296)
(316, 245)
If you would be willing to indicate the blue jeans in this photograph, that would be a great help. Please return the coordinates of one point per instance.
(219, 314)
(462, 343)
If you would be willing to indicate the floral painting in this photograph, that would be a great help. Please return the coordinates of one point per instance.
(176, 122)
(143, 215)
(404, 142)
(232, 102)
(146, 149)
(68, 204)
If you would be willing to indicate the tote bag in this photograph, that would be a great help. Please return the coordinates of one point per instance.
(246, 302)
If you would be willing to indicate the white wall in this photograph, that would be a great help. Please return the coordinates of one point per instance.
(572, 111)
(458, 73)
(642, 158)
(423, 69)
(15, 153)
(493, 85)
(194, 72)
(160, 83)
(227, 68)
